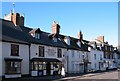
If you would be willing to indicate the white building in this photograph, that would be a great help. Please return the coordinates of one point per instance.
(15, 51)
(75, 62)
(13, 65)
(97, 59)
(77, 55)
(46, 51)
(116, 58)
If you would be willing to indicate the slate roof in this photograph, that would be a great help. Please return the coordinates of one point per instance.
(12, 33)
(73, 44)
(44, 38)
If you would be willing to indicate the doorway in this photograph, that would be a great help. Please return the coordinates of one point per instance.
(48, 68)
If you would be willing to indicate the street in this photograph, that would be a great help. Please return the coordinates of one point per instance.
(105, 76)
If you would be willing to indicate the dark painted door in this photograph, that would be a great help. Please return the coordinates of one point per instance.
(48, 68)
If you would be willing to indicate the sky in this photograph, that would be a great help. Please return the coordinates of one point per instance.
(92, 18)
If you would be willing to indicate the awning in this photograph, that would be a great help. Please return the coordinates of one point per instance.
(13, 59)
(45, 59)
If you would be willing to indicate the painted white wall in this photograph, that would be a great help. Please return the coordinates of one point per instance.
(117, 60)
(50, 52)
(97, 60)
(74, 60)
(23, 54)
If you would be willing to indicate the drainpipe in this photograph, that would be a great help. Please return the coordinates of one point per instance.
(29, 60)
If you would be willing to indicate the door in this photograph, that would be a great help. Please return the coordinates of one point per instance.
(99, 65)
(48, 68)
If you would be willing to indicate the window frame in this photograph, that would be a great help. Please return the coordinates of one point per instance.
(73, 53)
(37, 35)
(59, 53)
(14, 50)
(41, 51)
(10, 67)
(95, 56)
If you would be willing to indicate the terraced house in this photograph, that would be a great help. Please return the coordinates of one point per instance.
(33, 52)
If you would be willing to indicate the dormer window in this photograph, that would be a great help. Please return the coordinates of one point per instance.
(54, 39)
(67, 40)
(95, 46)
(79, 44)
(37, 35)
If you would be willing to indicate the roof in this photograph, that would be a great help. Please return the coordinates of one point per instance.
(73, 43)
(11, 33)
(44, 38)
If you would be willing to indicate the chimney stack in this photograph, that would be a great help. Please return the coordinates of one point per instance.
(80, 36)
(101, 39)
(55, 28)
(16, 18)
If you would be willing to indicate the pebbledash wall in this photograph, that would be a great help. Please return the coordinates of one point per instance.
(23, 54)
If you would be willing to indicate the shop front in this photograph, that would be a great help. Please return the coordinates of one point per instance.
(45, 66)
(12, 67)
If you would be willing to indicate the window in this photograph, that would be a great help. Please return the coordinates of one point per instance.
(37, 65)
(13, 67)
(41, 51)
(72, 53)
(14, 50)
(83, 56)
(100, 57)
(102, 65)
(95, 56)
(44, 65)
(40, 65)
(87, 55)
(95, 65)
(105, 47)
(59, 53)
(55, 39)
(79, 55)
(72, 66)
(37, 35)
(106, 55)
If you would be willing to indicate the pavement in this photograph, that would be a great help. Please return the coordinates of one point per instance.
(58, 77)
(74, 76)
